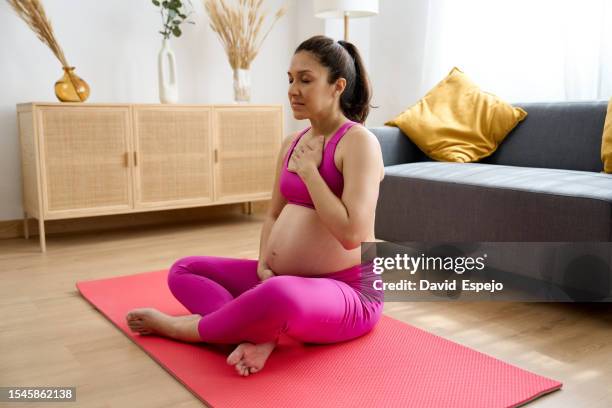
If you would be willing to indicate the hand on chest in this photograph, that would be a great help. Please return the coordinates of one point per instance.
(309, 150)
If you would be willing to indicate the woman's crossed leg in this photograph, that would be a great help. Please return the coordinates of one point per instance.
(230, 305)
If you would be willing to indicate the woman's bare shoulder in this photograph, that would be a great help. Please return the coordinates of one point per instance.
(360, 137)
(291, 137)
(287, 140)
(361, 142)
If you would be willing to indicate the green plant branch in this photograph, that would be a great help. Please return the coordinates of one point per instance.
(173, 14)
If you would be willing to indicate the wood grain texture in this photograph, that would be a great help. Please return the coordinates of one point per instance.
(15, 228)
(49, 335)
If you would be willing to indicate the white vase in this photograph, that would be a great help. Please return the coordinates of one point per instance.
(168, 80)
(242, 85)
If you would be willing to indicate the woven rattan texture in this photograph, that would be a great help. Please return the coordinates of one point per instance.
(84, 155)
(247, 152)
(174, 154)
(28, 160)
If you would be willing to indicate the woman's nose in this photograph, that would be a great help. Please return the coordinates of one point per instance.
(292, 89)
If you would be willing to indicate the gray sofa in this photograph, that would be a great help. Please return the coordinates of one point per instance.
(543, 184)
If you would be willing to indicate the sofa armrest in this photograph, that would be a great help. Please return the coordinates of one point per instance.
(396, 147)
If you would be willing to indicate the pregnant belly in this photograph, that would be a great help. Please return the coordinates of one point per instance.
(299, 244)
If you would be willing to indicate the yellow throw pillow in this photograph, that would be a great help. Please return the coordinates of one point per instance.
(458, 122)
(606, 140)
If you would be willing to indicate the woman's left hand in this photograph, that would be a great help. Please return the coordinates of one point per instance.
(308, 156)
(265, 274)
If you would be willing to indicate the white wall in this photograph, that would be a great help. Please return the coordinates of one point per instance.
(396, 58)
(114, 44)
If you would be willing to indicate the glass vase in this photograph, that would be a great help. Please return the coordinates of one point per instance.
(242, 85)
(70, 87)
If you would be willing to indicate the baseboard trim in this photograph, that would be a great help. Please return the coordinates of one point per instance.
(14, 228)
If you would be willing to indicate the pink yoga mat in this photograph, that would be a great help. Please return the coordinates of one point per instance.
(395, 365)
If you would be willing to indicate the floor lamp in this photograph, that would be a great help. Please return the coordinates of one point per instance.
(345, 9)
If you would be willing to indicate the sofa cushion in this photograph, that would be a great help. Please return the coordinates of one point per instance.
(458, 122)
(396, 147)
(435, 201)
(556, 135)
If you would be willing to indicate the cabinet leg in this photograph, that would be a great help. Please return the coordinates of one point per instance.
(26, 230)
(41, 233)
(246, 207)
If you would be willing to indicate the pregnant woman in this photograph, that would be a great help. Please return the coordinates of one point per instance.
(309, 281)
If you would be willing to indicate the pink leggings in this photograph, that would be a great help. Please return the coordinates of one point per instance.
(236, 306)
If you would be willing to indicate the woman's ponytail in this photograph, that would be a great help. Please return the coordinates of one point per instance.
(356, 106)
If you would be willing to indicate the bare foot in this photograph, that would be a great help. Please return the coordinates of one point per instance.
(148, 321)
(249, 358)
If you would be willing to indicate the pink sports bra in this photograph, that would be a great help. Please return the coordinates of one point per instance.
(291, 185)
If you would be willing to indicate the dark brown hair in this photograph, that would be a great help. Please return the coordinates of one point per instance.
(343, 60)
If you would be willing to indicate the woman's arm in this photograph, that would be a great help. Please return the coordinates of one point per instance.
(276, 203)
(350, 219)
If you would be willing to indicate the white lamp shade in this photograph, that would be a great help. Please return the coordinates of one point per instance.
(340, 8)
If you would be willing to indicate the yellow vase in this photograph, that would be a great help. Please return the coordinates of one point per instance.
(71, 88)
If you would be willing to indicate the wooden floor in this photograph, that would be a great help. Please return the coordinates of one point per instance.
(49, 335)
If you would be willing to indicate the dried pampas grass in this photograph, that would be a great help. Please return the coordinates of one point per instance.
(239, 28)
(33, 13)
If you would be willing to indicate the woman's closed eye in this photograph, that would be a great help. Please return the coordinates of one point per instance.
(303, 80)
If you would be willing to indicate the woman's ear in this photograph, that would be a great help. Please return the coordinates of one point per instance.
(340, 85)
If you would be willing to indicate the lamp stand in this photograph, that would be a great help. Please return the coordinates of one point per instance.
(346, 26)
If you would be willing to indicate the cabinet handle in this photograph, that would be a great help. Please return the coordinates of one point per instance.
(135, 158)
(126, 159)
(216, 156)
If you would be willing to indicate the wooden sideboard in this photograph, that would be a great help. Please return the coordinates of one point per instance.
(82, 160)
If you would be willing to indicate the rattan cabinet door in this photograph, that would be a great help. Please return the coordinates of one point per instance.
(84, 166)
(173, 163)
(247, 141)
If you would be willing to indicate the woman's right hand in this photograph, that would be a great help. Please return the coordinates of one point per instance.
(264, 272)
